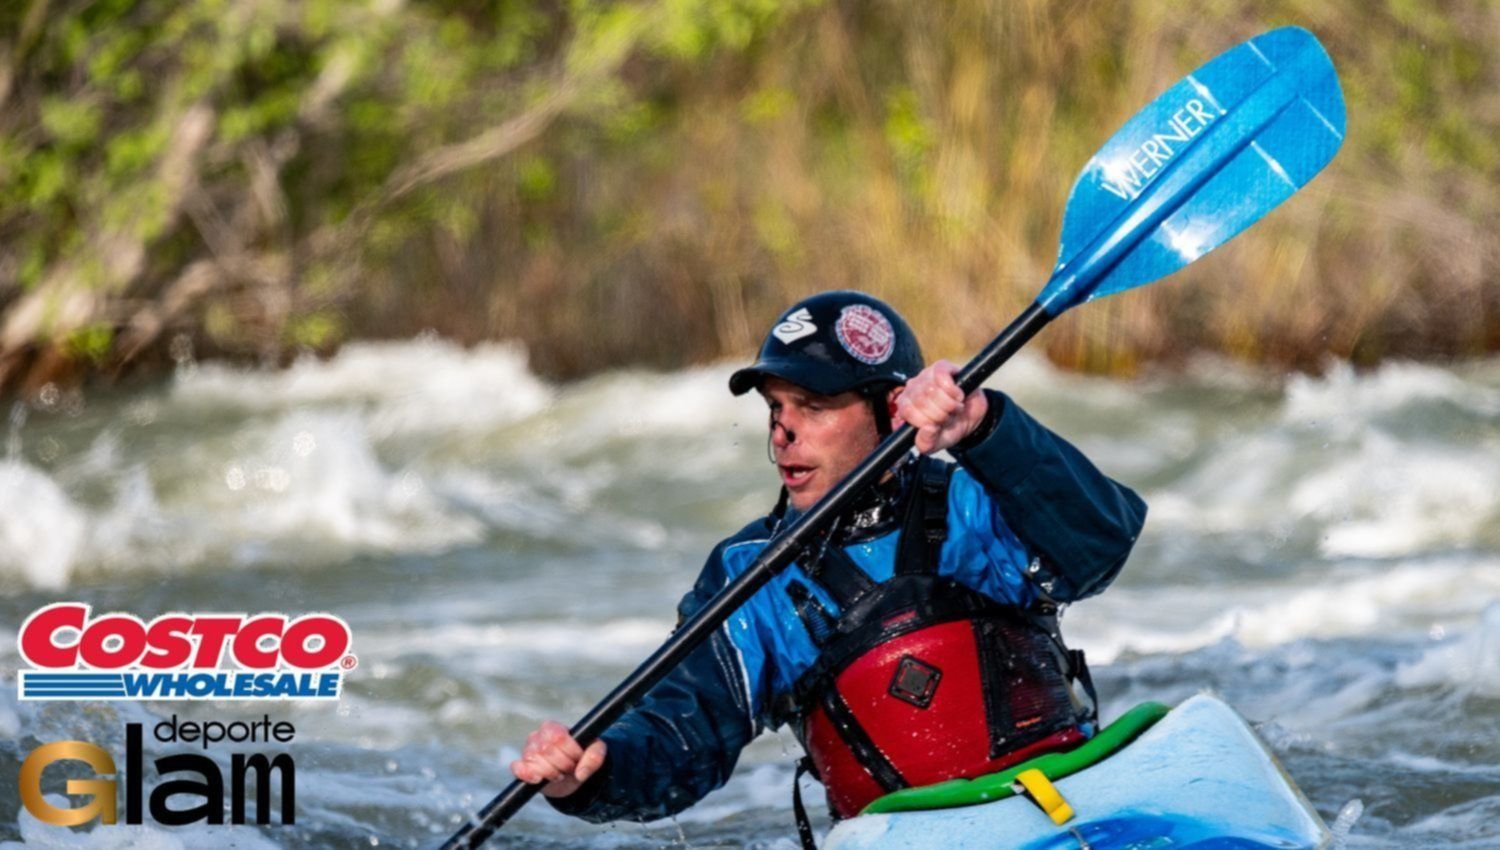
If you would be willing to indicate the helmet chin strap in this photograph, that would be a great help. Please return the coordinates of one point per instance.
(882, 411)
(781, 502)
(880, 408)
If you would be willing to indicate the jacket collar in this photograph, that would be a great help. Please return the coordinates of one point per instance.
(875, 512)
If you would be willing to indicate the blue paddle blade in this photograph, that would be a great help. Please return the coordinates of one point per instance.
(1213, 154)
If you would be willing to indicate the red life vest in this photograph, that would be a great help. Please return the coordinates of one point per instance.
(921, 679)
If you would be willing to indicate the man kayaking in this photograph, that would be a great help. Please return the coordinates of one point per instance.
(917, 641)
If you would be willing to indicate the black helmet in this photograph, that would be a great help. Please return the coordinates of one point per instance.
(834, 342)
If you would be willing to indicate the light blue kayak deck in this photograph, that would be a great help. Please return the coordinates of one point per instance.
(1199, 778)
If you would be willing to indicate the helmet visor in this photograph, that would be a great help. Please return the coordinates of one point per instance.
(810, 375)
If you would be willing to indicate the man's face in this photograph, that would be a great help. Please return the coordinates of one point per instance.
(816, 439)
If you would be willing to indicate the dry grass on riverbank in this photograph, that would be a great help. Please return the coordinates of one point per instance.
(926, 157)
(684, 176)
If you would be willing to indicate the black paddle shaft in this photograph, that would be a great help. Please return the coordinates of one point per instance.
(780, 552)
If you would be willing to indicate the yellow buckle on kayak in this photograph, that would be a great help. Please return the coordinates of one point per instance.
(1042, 792)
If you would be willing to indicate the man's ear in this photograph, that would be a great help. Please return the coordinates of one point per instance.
(890, 399)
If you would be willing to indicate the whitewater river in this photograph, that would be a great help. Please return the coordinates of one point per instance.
(1324, 553)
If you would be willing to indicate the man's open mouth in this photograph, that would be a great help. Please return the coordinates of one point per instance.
(794, 475)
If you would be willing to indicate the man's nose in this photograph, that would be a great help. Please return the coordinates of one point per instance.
(781, 434)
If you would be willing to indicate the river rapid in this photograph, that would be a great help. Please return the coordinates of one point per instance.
(1323, 552)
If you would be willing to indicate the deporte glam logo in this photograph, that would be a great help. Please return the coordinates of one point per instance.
(189, 777)
(181, 656)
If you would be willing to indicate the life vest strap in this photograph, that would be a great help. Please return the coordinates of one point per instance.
(799, 811)
(858, 740)
(926, 523)
(820, 624)
(923, 530)
(841, 577)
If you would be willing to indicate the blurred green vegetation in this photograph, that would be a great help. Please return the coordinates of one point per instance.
(650, 182)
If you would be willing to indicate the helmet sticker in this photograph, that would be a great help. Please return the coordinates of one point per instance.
(795, 327)
(866, 334)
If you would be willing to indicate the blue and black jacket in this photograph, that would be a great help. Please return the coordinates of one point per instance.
(1029, 517)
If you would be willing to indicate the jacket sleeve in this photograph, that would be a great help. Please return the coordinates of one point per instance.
(683, 739)
(1078, 524)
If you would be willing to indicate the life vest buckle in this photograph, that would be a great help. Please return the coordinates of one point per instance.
(915, 681)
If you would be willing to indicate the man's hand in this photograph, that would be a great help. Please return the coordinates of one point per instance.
(934, 405)
(552, 756)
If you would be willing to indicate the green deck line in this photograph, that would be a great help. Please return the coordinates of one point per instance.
(997, 786)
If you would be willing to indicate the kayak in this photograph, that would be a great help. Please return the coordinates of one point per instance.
(1196, 776)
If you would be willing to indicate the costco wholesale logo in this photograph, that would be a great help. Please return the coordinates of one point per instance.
(181, 656)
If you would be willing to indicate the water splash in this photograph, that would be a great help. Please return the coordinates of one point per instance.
(1344, 822)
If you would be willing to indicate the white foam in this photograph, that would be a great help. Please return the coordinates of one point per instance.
(1435, 765)
(1469, 663)
(762, 786)
(1234, 486)
(1343, 395)
(627, 405)
(1372, 604)
(418, 385)
(303, 489)
(613, 641)
(298, 476)
(10, 719)
(1477, 820)
(41, 528)
(36, 835)
(316, 477)
(548, 508)
(1337, 467)
(1346, 603)
(1386, 497)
